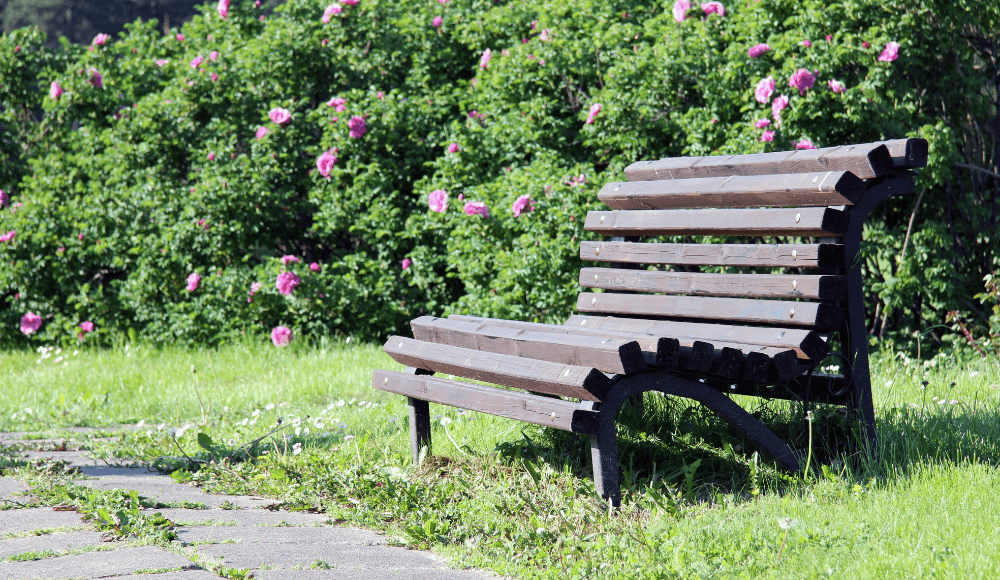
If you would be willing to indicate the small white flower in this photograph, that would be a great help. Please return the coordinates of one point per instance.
(341, 403)
(76, 352)
(253, 422)
(941, 402)
(296, 449)
(245, 421)
(183, 430)
(973, 373)
(445, 420)
(785, 523)
(351, 402)
(14, 416)
(40, 349)
(362, 403)
(58, 351)
(348, 437)
(149, 432)
(161, 426)
(58, 360)
(225, 409)
(298, 431)
(306, 431)
(269, 406)
(140, 424)
(28, 411)
(231, 442)
(256, 413)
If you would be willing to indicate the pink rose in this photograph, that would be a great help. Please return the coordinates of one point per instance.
(767, 136)
(380, 95)
(286, 282)
(314, 267)
(484, 60)
(757, 50)
(196, 61)
(279, 115)
(55, 91)
(255, 287)
(680, 9)
(836, 86)
(476, 208)
(162, 62)
(453, 148)
(890, 53)
(261, 131)
(223, 8)
(96, 79)
(287, 259)
(713, 8)
(521, 204)
(215, 77)
(325, 163)
(100, 39)
(87, 326)
(4, 198)
(802, 79)
(281, 335)
(30, 323)
(438, 200)
(180, 38)
(806, 43)
(804, 144)
(436, 23)
(330, 11)
(338, 104)
(8, 236)
(762, 123)
(545, 35)
(211, 156)
(406, 263)
(213, 56)
(351, 2)
(764, 89)
(865, 44)
(192, 282)
(594, 110)
(778, 105)
(357, 127)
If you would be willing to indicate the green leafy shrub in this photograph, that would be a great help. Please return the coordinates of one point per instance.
(122, 191)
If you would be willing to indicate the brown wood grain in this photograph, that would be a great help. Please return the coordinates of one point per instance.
(657, 350)
(800, 221)
(789, 190)
(822, 287)
(806, 343)
(545, 411)
(865, 161)
(907, 153)
(733, 255)
(816, 315)
(607, 354)
(563, 380)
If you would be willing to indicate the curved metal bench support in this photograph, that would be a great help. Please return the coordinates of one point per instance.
(604, 446)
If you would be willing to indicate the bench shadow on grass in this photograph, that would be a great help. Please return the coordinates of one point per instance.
(700, 455)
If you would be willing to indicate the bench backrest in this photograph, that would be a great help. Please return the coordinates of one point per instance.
(812, 201)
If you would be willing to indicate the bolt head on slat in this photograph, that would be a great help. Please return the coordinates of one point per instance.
(791, 314)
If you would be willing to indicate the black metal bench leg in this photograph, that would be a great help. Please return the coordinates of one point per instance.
(420, 427)
(604, 458)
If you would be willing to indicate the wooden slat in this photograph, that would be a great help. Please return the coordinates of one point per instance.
(818, 315)
(806, 343)
(733, 255)
(511, 371)
(610, 355)
(800, 221)
(788, 190)
(657, 350)
(545, 411)
(864, 161)
(822, 287)
(907, 153)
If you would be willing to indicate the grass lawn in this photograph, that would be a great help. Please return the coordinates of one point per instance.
(699, 503)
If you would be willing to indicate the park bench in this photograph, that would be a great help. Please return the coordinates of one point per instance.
(660, 323)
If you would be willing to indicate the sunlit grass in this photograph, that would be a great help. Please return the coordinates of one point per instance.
(519, 499)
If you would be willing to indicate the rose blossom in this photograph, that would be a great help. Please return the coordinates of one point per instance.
(890, 53)
(351, 2)
(96, 79)
(87, 326)
(281, 335)
(762, 123)
(594, 110)
(330, 11)
(4, 198)
(357, 127)
(836, 86)
(223, 9)
(545, 36)
(215, 77)
(213, 56)
(289, 259)
(804, 144)
(286, 282)
(764, 89)
(484, 60)
(865, 44)
(436, 23)
(8, 236)
(476, 207)
(211, 156)
(713, 8)
(802, 79)
(30, 323)
(279, 115)
(680, 9)
(55, 91)
(406, 263)
(192, 282)
(162, 62)
(196, 61)
(438, 200)
(779, 104)
(522, 204)
(757, 50)
(806, 43)
(315, 267)
(453, 148)
(325, 163)
(255, 287)
(767, 136)
(261, 131)
(338, 104)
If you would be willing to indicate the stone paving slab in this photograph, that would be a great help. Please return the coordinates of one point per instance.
(74, 458)
(370, 574)
(28, 519)
(164, 489)
(55, 542)
(94, 564)
(288, 556)
(9, 485)
(178, 575)
(217, 517)
(111, 470)
(298, 536)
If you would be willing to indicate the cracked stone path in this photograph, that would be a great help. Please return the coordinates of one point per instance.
(277, 545)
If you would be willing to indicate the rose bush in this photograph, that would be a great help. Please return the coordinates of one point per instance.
(362, 136)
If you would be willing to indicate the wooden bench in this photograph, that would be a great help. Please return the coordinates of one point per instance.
(659, 323)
